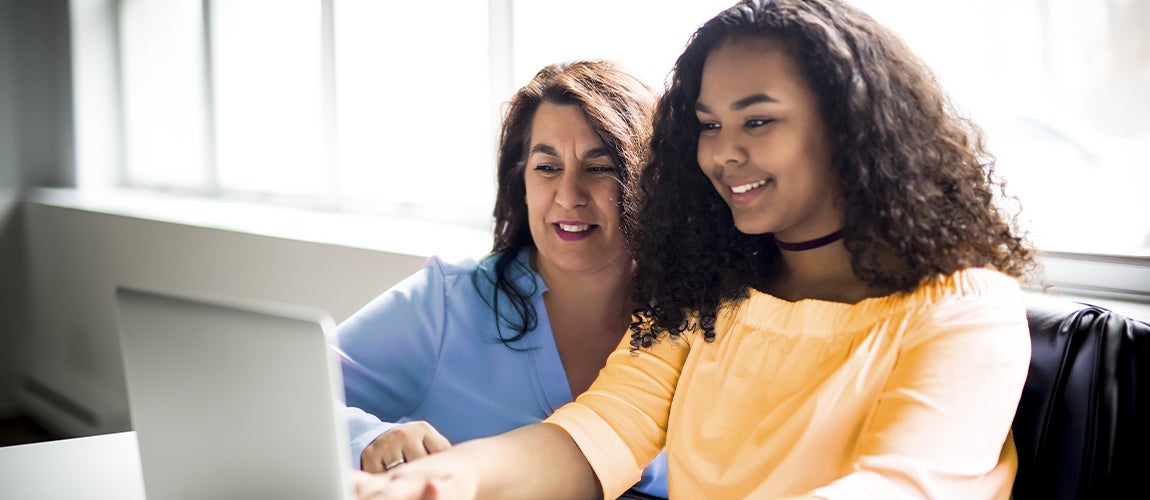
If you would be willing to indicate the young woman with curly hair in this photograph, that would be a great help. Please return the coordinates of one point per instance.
(829, 296)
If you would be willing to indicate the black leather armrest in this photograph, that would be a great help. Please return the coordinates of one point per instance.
(1083, 426)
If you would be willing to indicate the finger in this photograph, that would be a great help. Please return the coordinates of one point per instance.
(381, 461)
(371, 460)
(394, 463)
(431, 491)
(387, 487)
(419, 431)
(435, 443)
(370, 464)
(414, 450)
(386, 449)
(438, 489)
(369, 485)
(404, 487)
(446, 488)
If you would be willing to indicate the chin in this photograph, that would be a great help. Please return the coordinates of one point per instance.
(751, 228)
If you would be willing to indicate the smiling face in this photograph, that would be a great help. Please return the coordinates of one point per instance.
(763, 143)
(573, 192)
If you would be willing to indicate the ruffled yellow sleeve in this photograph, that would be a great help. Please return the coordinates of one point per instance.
(620, 423)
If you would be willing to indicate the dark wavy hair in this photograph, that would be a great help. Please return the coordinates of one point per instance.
(617, 105)
(918, 184)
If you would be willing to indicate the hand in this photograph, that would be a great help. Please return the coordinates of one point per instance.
(385, 487)
(405, 443)
(429, 479)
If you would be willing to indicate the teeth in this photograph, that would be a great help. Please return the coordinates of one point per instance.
(575, 229)
(747, 187)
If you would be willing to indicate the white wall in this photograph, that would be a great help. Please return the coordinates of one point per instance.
(78, 257)
(35, 149)
(11, 268)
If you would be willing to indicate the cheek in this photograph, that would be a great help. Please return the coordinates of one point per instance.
(536, 200)
(704, 159)
(701, 155)
(536, 206)
(607, 196)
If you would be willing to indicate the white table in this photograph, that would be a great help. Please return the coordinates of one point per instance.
(93, 467)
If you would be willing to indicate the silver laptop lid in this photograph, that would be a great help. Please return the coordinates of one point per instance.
(233, 399)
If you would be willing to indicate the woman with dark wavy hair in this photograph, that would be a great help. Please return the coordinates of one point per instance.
(829, 297)
(468, 349)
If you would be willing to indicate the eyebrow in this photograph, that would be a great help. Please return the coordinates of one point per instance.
(547, 149)
(741, 103)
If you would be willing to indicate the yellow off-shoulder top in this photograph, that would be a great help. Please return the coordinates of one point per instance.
(909, 395)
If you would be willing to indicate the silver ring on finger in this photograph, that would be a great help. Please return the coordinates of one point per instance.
(394, 463)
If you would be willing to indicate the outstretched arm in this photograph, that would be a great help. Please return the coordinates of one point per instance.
(536, 461)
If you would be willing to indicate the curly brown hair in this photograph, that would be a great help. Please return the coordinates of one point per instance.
(919, 187)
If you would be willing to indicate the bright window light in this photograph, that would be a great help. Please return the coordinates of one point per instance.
(164, 108)
(1060, 88)
(415, 117)
(396, 107)
(646, 36)
(268, 96)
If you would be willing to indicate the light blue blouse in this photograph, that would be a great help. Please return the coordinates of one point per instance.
(427, 349)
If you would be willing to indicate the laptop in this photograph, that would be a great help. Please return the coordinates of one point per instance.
(233, 399)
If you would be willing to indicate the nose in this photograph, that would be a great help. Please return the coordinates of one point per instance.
(725, 149)
(572, 191)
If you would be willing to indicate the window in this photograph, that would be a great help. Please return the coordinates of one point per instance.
(394, 106)
(310, 102)
(417, 123)
(644, 35)
(360, 104)
(1060, 91)
(165, 106)
(268, 96)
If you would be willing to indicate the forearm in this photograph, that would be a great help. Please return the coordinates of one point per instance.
(536, 461)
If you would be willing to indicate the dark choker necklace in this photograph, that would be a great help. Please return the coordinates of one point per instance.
(810, 244)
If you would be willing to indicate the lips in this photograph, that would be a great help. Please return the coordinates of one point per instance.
(743, 188)
(748, 192)
(574, 230)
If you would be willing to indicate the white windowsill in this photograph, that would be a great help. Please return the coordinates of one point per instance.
(389, 234)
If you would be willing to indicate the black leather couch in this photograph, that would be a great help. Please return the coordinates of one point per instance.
(1083, 424)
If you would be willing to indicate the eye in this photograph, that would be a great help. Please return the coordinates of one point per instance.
(757, 122)
(548, 169)
(709, 126)
(602, 169)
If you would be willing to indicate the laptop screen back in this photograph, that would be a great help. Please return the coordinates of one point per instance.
(231, 399)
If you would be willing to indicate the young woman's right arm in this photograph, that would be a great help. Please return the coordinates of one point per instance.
(536, 461)
(618, 425)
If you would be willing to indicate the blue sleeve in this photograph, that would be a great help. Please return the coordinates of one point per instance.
(654, 480)
(389, 353)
